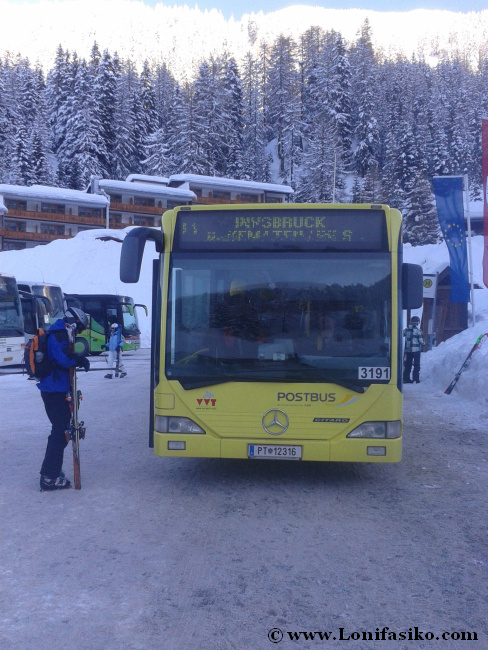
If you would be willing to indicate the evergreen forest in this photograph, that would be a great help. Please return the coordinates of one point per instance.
(335, 120)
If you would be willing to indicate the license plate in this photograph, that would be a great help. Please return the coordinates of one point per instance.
(280, 452)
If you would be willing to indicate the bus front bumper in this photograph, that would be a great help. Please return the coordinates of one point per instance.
(352, 450)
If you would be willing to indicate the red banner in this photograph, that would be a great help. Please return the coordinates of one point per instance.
(484, 171)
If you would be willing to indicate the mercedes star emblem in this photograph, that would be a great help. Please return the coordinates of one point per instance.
(275, 422)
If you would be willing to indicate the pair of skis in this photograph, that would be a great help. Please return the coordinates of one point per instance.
(479, 342)
(77, 429)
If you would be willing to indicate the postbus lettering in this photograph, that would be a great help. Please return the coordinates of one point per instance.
(307, 397)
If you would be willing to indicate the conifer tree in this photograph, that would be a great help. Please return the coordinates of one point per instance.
(363, 84)
(254, 139)
(340, 97)
(83, 142)
(21, 169)
(59, 88)
(283, 102)
(105, 106)
(209, 140)
(40, 173)
(231, 123)
(176, 133)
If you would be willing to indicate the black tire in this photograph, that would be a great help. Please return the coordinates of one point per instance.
(81, 346)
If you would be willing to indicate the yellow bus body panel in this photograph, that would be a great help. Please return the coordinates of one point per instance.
(320, 417)
(235, 420)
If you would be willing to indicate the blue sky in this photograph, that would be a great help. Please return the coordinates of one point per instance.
(238, 7)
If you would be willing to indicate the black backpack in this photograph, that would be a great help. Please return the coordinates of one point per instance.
(36, 357)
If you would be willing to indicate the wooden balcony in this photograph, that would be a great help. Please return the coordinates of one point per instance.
(136, 209)
(208, 200)
(32, 215)
(30, 236)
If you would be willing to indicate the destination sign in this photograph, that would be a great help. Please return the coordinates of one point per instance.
(301, 229)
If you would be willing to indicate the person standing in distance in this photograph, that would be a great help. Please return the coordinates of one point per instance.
(414, 342)
(54, 389)
(114, 347)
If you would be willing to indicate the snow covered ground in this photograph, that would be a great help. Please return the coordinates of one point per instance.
(186, 553)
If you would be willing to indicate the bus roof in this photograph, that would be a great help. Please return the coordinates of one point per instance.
(108, 296)
(36, 283)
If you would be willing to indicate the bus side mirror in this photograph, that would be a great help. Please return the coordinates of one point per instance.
(412, 286)
(133, 250)
(143, 306)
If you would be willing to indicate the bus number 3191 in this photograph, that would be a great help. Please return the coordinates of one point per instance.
(365, 372)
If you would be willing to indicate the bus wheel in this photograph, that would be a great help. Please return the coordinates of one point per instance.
(81, 346)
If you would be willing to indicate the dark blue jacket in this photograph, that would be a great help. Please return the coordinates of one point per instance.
(62, 358)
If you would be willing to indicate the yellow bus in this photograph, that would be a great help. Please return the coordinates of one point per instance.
(276, 330)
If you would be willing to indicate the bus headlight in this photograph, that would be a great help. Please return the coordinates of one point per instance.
(377, 430)
(171, 424)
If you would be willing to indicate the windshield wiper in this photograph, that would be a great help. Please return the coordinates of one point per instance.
(350, 385)
(188, 384)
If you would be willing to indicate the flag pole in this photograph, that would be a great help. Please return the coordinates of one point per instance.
(470, 256)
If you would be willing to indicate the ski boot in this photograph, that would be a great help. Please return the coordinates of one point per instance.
(48, 484)
(109, 376)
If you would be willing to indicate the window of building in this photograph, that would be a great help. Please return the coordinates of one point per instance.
(218, 194)
(13, 245)
(173, 204)
(198, 191)
(274, 199)
(52, 208)
(52, 229)
(249, 198)
(141, 200)
(143, 221)
(89, 212)
(16, 226)
(14, 204)
(116, 198)
(115, 217)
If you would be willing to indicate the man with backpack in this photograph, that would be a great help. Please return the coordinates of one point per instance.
(414, 342)
(54, 388)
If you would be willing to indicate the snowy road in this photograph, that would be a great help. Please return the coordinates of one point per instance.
(209, 554)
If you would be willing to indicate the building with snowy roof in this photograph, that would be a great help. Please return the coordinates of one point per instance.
(213, 189)
(141, 202)
(39, 214)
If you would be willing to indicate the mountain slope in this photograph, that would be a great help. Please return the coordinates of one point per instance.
(181, 36)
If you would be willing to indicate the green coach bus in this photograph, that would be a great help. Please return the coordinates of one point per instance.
(105, 309)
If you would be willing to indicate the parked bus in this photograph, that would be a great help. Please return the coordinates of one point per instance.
(103, 310)
(55, 302)
(244, 362)
(35, 310)
(11, 323)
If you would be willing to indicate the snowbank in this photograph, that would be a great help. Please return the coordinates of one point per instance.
(85, 264)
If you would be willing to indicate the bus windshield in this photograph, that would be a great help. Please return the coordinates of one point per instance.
(281, 316)
(11, 320)
(131, 326)
(55, 295)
